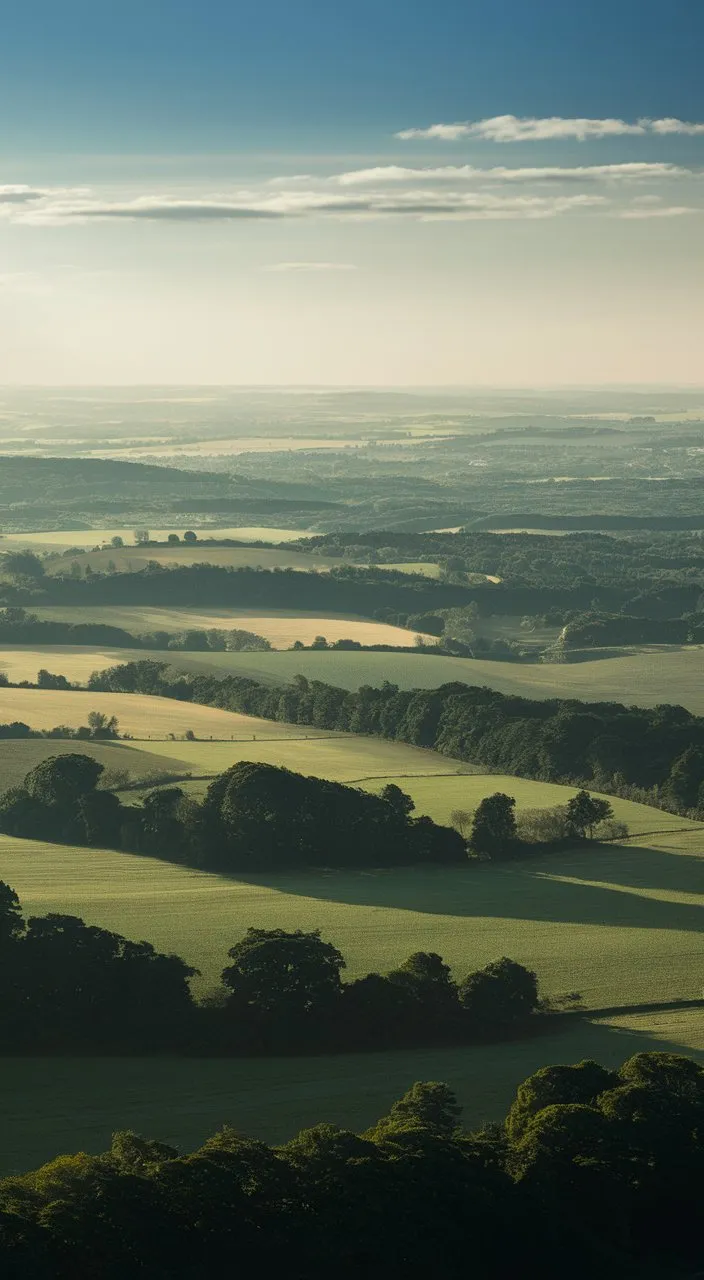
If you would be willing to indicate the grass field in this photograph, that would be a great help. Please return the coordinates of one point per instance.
(132, 559)
(664, 673)
(54, 1105)
(138, 715)
(18, 757)
(643, 678)
(280, 626)
(61, 539)
(622, 924)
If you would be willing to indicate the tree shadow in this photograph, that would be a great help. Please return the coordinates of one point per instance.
(558, 889)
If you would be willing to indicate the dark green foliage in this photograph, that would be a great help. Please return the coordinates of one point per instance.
(502, 993)
(601, 744)
(585, 812)
(583, 1190)
(493, 833)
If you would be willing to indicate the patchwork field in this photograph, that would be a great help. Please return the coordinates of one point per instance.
(61, 539)
(132, 559)
(645, 677)
(44, 1111)
(138, 715)
(18, 757)
(280, 626)
(621, 924)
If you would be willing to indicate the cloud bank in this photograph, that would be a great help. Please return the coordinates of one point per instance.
(538, 129)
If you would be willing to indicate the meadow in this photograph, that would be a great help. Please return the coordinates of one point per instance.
(653, 674)
(619, 923)
(17, 757)
(139, 715)
(53, 1105)
(132, 559)
(62, 539)
(282, 627)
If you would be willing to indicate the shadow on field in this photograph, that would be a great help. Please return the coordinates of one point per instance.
(43, 1109)
(556, 890)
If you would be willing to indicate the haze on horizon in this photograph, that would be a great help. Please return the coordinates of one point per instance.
(244, 195)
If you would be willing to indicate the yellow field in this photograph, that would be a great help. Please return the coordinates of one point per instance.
(132, 559)
(138, 715)
(280, 626)
(60, 539)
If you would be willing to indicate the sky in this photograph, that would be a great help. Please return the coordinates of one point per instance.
(380, 192)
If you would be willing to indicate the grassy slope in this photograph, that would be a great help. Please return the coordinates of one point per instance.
(281, 626)
(138, 714)
(17, 758)
(128, 559)
(44, 1111)
(62, 539)
(644, 678)
(621, 924)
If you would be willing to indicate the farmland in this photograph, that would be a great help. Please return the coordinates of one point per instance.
(621, 924)
(132, 559)
(282, 627)
(63, 539)
(645, 677)
(139, 716)
(43, 1101)
(17, 757)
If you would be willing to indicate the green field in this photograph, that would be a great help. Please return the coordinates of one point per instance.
(653, 674)
(132, 559)
(18, 757)
(54, 1105)
(62, 539)
(622, 924)
(664, 673)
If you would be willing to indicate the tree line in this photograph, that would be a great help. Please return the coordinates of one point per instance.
(656, 751)
(18, 626)
(254, 817)
(66, 986)
(593, 1172)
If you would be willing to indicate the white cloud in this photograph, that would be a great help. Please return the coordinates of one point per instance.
(657, 211)
(541, 128)
(298, 267)
(671, 125)
(467, 172)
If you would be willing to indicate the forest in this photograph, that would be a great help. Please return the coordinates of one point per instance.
(593, 1172)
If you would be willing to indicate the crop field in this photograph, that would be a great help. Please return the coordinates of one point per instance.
(132, 559)
(62, 539)
(44, 1111)
(282, 627)
(427, 568)
(139, 715)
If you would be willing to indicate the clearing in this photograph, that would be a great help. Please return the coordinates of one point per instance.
(43, 1111)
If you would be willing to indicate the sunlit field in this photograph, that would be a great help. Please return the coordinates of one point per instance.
(61, 539)
(282, 627)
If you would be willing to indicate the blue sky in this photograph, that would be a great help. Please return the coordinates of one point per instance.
(216, 191)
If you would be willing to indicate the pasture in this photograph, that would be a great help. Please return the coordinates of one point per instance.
(139, 715)
(132, 559)
(62, 539)
(17, 757)
(282, 627)
(53, 1105)
(619, 923)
